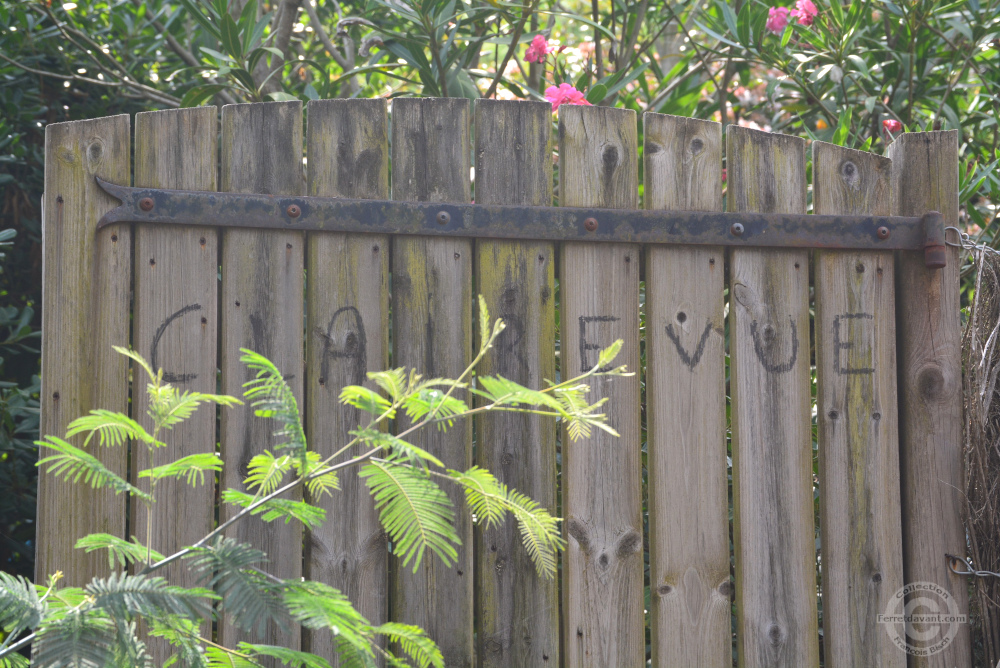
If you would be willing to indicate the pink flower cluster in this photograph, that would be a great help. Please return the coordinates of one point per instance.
(805, 13)
(892, 126)
(564, 94)
(536, 52)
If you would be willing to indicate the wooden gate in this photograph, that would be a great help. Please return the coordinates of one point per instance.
(327, 307)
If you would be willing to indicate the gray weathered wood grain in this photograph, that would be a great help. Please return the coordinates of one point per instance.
(856, 411)
(347, 302)
(261, 304)
(773, 527)
(432, 332)
(686, 405)
(929, 335)
(85, 289)
(175, 327)
(518, 610)
(602, 476)
(175, 320)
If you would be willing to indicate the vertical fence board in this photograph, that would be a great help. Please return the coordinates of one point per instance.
(262, 309)
(925, 178)
(348, 305)
(602, 475)
(518, 611)
(773, 525)
(856, 411)
(175, 320)
(686, 405)
(86, 283)
(432, 331)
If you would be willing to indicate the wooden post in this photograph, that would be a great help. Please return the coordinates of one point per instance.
(773, 525)
(925, 178)
(602, 475)
(175, 320)
(262, 309)
(348, 305)
(856, 411)
(518, 611)
(432, 332)
(686, 405)
(86, 283)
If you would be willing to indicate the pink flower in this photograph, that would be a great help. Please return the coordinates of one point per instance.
(891, 125)
(564, 94)
(536, 52)
(777, 19)
(805, 12)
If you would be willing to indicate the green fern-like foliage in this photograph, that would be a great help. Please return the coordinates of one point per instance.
(76, 638)
(274, 509)
(119, 550)
(415, 512)
(20, 605)
(271, 397)
(230, 569)
(490, 500)
(76, 465)
(127, 596)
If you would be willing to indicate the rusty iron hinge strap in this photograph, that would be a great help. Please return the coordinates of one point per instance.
(333, 214)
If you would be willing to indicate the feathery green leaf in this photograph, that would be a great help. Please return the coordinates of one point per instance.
(72, 462)
(119, 549)
(415, 512)
(311, 516)
(192, 467)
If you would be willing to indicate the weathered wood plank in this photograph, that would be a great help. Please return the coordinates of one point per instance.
(347, 300)
(86, 283)
(602, 477)
(773, 525)
(856, 410)
(518, 611)
(175, 320)
(929, 335)
(686, 405)
(175, 326)
(262, 309)
(432, 332)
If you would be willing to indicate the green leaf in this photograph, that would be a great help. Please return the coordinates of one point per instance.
(608, 355)
(743, 26)
(77, 638)
(415, 512)
(597, 93)
(838, 13)
(248, 597)
(119, 549)
(415, 642)
(366, 400)
(843, 127)
(230, 37)
(266, 472)
(72, 462)
(274, 509)
(287, 657)
(113, 429)
(392, 381)
(20, 607)
(281, 96)
(489, 500)
(125, 596)
(195, 13)
(198, 95)
(272, 398)
(373, 438)
(192, 467)
(730, 18)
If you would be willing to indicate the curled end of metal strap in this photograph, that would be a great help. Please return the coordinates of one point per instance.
(116, 191)
(935, 255)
